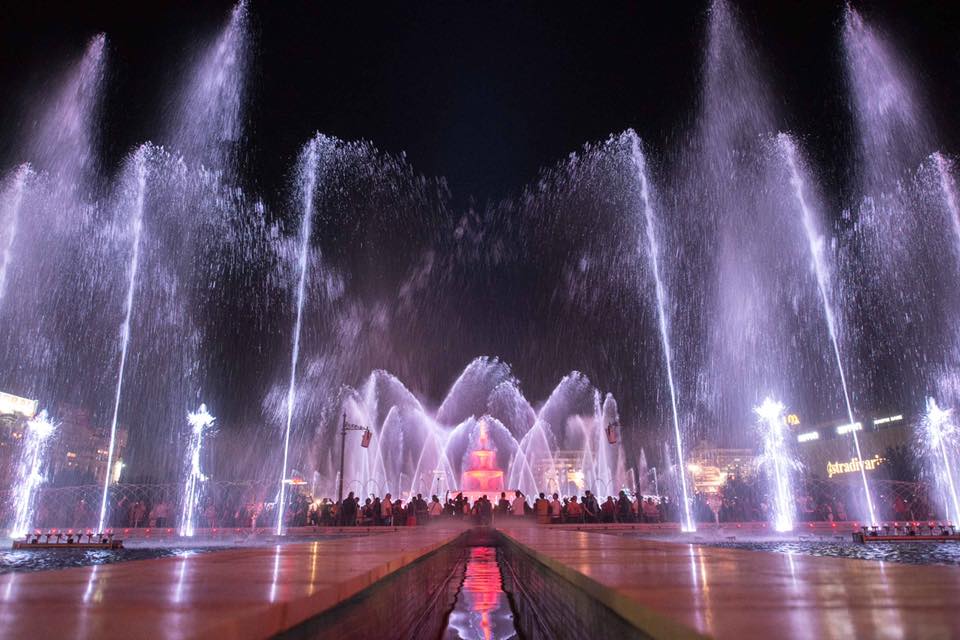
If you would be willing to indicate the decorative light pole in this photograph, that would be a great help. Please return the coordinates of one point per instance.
(364, 442)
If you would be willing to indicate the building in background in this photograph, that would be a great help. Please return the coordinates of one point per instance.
(15, 411)
(78, 455)
(710, 466)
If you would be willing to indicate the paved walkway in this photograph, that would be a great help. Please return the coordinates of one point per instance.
(242, 593)
(680, 590)
(668, 590)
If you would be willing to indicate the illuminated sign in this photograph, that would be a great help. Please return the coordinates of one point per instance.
(807, 437)
(849, 428)
(854, 466)
(888, 419)
(15, 405)
(793, 420)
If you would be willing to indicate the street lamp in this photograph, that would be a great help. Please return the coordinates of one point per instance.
(364, 442)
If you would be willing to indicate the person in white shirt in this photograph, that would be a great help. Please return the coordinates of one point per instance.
(436, 509)
(518, 507)
(556, 509)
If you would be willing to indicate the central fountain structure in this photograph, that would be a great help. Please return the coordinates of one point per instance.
(481, 476)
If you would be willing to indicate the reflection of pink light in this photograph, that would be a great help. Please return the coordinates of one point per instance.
(482, 583)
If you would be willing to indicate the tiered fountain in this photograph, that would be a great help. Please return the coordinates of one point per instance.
(482, 477)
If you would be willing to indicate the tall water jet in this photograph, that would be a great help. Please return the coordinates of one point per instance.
(64, 140)
(207, 123)
(893, 132)
(30, 472)
(815, 242)
(308, 180)
(10, 219)
(777, 460)
(653, 255)
(941, 441)
(200, 421)
(944, 166)
(140, 173)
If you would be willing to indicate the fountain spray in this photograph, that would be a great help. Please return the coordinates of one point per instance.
(815, 242)
(12, 218)
(776, 456)
(29, 476)
(653, 253)
(309, 174)
(949, 191)
(942, 438)
(199, 421)
(140, 162)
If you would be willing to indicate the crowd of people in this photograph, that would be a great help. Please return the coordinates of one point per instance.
(544, 509)
(740, 499)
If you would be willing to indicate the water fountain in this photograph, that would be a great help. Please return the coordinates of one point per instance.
(139, 169)
(815, 241)
(941, 440)
(12, 198)
(653, 255)
(777, 461)
(36, 434)
(481, 476)
(411, 446)
(705, 242)
(200, 422)
(308, 173)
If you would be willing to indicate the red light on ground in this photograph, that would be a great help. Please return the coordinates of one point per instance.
(738, 526)
(833, 524)
(126, 530)
(147, 530)
(169, 530)
(810, 525)
(69, 530)
(214, 529)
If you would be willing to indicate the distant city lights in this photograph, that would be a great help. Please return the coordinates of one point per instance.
(849, 428)
(887, 420)
(808, 436)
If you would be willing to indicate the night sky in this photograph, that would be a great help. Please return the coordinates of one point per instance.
(482, 95)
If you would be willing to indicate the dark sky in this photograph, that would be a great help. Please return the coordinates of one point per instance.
(484, 94)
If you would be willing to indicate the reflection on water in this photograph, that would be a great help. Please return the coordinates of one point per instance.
(902, 552)
(482, 610)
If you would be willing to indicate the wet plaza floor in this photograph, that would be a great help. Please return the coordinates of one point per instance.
(658, 589)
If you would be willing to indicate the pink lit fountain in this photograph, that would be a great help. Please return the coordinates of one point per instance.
(482, 477)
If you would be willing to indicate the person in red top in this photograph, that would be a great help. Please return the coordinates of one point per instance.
(574, 510)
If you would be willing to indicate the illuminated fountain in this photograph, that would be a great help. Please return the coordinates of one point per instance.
(485, 437)
(777, 462)
(308, 173)
(941, 443)
(653, 255)
(816, 242)
(29, 472)
(139, 163)
(481, 476)
(10, 218)
(200, 421)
